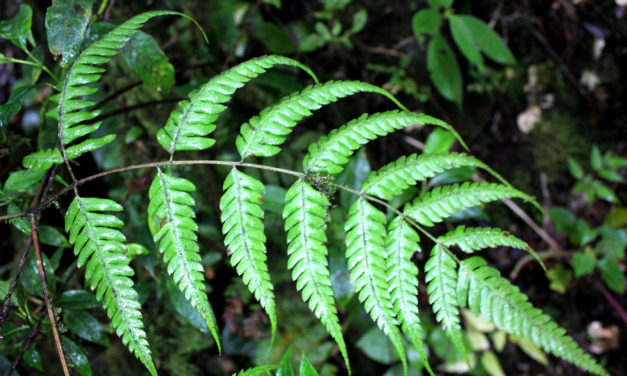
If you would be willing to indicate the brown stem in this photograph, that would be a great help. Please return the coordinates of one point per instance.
(38, 200)
(44, 287)
(620, 310)
(32, 333)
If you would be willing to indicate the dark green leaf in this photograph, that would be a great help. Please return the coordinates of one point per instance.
(306, 369)
(426, 21)
(85, 326)
(30, 275)
(559, 277)
(66, 23)
(274, 199)
(51, 236)
(604, 192)
(464, 39)
(77, 299)
(440, 3)
(12, 107)
(563, 218)
(32, 358)
(17, 29)
(583, 263)
(76, 356)
(612, 275)
(360, 18)
(439, 141)
(149, 62)
(377, 347)
(595, 158)
(445, 73)
(23, 181)
(575, 169)
(184, 308)
(486, 39)
(274, 38)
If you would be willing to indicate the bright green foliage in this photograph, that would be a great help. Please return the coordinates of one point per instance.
(71, 112)
(471, 239)
(401, 243)
(365, 254)
(99, 244)
(392, 179)
(242, 226)
(447, 200)
(441, 280)
(173, 207)
(263, 134)
(194, 119)
(331, 152)
(305, 216)
(484, 291)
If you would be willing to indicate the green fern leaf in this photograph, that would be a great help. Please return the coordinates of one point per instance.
(441, 280)
(332, 152)
(402, 279)
(472, 239)
(242, 226)
(263, 134)
(365, 253)
(304, 214)
(485, 292)
(44, 159)
(172, 206)
(99, 244)
(71, 114)
(392, 179)
(194, 119)
(447, 200)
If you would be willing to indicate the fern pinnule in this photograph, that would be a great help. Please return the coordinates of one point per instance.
(242, 226)
(391, 180)
(330, 153)
(194, 118)
(263, 134)
(441, 277)
(305, 215)
(173, 208)
(365, 254)
(71, 114)
(485, 292)
(401, 242)
(444, 201)
(99, 244)
(472, 239)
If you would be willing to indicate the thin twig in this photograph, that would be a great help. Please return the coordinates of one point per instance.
(620, 310)
(38, 200)
(44, 287)
(32, 333)
(117, 93)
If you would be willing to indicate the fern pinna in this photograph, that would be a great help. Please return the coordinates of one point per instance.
(380, 245)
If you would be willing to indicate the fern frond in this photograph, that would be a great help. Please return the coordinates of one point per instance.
(392, 179)
(365, 253)
(444, 201)
(441, 280)
(98, 243)
(71, 113)
(330, 153)
(194, 119)
(172, 206)
(263, 134)
(484, 291)
(242, 226)
(472, 239)
(305, 216)
(44, 159)
(401, 242)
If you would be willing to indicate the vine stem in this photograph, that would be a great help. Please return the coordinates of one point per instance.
(44, 287)
(40, 197)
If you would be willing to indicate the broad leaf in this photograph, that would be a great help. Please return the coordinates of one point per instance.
(445, 73)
